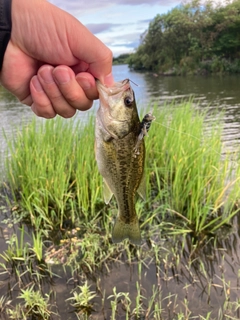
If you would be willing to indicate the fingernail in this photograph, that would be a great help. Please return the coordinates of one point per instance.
(61, 75)
(46, 75)
(108, 80)
(36, 84)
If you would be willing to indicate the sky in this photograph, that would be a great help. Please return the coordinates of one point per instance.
(119, 24)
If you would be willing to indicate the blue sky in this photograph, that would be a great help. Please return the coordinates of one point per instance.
(117, 23)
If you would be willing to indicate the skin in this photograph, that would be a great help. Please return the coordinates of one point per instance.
(52, 60)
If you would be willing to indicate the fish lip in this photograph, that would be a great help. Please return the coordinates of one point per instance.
(116, 88)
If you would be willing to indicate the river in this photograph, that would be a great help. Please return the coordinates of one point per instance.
(214, 92)
(217, 92)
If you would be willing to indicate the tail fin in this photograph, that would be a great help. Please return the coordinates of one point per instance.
(122, 230)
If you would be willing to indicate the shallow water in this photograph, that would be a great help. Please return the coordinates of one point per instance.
(203, 279)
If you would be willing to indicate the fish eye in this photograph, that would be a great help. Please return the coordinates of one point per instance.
(128, 102)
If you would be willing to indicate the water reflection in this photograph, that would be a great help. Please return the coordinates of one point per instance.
(180, 277)
(210, 90)
(217, 93)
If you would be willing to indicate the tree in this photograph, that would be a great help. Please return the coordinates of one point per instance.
(191, 32)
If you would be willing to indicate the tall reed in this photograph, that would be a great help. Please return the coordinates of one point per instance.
(51, 171)
(191, 178)
(53, 176)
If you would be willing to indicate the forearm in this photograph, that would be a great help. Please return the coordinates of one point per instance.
(5, 27)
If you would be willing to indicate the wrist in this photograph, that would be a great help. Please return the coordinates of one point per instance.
(5, 27)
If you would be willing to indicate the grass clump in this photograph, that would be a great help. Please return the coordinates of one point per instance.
(81, 299)
(190, 179)
(51, 172)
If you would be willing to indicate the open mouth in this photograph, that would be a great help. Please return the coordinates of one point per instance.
(118, 87)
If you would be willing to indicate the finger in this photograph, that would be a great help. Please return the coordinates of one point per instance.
(88, 84)
(28, 100)
(41, 106)
(16, 73)
(59, 104)
(70, 88)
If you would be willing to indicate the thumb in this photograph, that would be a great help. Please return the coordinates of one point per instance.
(102, 70)
(88, 48)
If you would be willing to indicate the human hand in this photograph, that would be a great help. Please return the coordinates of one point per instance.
(52, 60)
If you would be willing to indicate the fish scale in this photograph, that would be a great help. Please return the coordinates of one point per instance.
(117, 136)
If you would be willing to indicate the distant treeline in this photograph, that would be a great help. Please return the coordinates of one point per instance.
(122, 58)
(192, 38)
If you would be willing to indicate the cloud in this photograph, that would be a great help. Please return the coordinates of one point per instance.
(145, 21)
(130, 41)
(81, 7)
(129, 45)
(150, 2)
(101, 27)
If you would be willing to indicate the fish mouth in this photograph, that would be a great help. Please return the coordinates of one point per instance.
(117, 91)
(117, 87)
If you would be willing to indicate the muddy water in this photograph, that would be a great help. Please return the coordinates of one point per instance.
(197, 281)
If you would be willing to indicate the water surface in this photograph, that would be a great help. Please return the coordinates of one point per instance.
(190, 281)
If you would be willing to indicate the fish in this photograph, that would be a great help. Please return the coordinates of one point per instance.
(120, 154)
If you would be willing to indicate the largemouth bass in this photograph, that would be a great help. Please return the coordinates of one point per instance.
(120, 154)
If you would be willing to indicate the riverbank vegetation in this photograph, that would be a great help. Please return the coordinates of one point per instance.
(54, 192)
(121, 59)
(192, 38)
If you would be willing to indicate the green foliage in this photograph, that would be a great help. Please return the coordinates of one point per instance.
(18, 249)
(121, 59)
(50, 173)
(55, 182)
(192, 33)
(189, 176)
(35, 305)
(82, 299)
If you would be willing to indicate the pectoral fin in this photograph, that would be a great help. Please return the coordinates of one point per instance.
(142, 188)
(107, 193)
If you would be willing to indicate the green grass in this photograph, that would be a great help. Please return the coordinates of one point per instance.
(189, 176)
(55, 188)
(54, 180)
(52, 173)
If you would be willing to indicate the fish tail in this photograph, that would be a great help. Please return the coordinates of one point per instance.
(123, 230)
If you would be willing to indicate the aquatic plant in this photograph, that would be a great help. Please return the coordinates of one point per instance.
(54, 186)
(190, 178)
(35, 305)
(54, 181)
(51, 172)
(81, 299)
